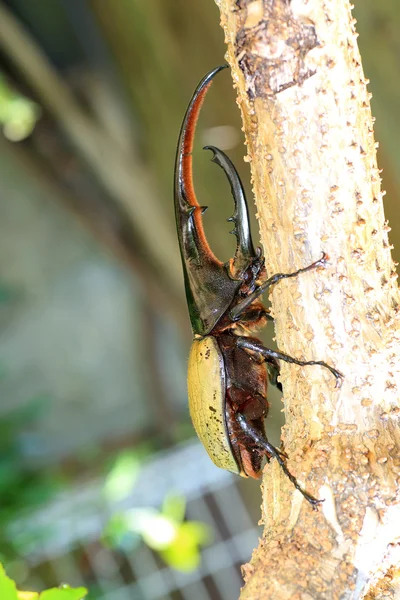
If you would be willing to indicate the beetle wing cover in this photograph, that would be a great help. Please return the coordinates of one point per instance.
(207, 388)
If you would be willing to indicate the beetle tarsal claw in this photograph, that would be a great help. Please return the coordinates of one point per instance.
(339, 380)
(281, 453)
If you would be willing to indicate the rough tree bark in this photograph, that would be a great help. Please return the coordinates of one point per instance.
(308, 127)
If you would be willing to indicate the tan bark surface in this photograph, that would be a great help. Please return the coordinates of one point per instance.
(308, 126)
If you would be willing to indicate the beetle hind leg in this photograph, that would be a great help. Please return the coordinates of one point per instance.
(263, 443)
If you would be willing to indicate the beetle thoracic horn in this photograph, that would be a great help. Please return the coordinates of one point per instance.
(209, 283)
(244, 249)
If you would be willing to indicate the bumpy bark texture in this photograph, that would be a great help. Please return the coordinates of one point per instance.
(308, 127)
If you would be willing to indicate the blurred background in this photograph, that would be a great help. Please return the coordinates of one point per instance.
(102, 482)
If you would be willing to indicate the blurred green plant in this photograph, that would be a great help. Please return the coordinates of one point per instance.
(7, 293)
(18, 114)
(8, 591)
(21, 488)
(167, 532)
(122, 475)
(177, 541)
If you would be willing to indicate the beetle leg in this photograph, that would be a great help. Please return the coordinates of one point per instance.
(281, 453)
(267, 353)
(273, 373)
(264, 443)
(256, 315)
(254, 318)
(236, 312)
(273, 367)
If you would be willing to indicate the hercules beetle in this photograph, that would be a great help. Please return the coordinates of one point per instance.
(227, 380)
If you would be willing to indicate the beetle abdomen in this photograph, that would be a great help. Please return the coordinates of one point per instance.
(207, 389)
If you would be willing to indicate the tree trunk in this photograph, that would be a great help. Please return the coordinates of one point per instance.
(308, 127)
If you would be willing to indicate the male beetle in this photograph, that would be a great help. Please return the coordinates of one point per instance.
(227, 380)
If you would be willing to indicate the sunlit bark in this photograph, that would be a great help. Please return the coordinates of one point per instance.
(309, 131)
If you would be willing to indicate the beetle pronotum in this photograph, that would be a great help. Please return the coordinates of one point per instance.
(227, 380)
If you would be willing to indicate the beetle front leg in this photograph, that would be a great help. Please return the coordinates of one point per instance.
(237, 310)
(267, 353)
(256, 315)
(271, 450)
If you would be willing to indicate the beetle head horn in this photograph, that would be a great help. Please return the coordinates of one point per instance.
(245, 253)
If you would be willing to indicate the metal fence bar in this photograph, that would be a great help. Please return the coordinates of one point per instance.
(212, 498)
(105, 568)
(228, 583)
(195, 591)
(233, 508)
(155, 580)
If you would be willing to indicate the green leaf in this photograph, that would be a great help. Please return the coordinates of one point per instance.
(18, 114)
(117, 533)
(183, 553)
(122, 476)
(8, 589)
(174, 507)
(64, 593)
(156, 530)
(199, 532)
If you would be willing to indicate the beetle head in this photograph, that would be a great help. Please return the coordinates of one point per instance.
(211, 285)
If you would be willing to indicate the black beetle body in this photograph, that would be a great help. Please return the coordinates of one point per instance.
(227, 379)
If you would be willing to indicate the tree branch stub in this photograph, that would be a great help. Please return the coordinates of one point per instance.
(309, 132)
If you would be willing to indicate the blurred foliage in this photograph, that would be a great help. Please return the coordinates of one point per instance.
(177, 541)
(21, 488)
(8, 591)
(18, 114)
(122, 475)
